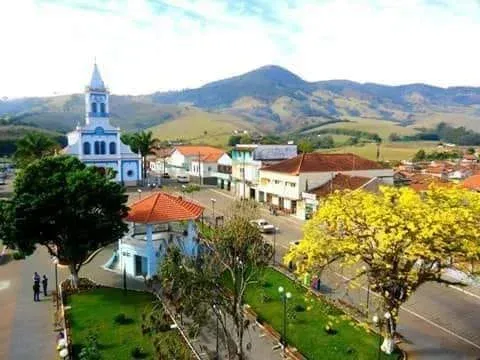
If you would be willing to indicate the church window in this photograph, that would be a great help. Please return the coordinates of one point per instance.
(102, 108)
(94, 108)
(112, 148)
(97, 147)
(103, 148)
(86, 148)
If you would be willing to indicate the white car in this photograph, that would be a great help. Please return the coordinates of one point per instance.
(183, 179)
(263, 225)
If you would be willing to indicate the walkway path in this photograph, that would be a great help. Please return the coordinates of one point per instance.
(26, 327)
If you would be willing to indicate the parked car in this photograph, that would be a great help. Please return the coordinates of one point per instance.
(183, 178)
(166, 176)
(263, 225)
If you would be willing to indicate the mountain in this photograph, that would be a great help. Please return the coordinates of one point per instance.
(268, 99)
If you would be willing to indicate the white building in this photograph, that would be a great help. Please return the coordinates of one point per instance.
(247, 159)
(156, 223)
(282, 184)
(97, 143)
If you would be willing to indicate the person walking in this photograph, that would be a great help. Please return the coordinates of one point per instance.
(36, 291)
(44, 284)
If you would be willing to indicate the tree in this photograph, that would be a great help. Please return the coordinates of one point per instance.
(145, 143)
(234, 140)
(306, 146)
(233, 256)
(33, 146)
(471, 150)
(420, 155)
(398, 239)
(68, 207)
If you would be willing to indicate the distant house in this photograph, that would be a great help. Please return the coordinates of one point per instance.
(422, 182)
(247, 159)
(282, 184)
(158, 161)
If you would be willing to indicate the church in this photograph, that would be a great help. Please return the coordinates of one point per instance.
(97, 143)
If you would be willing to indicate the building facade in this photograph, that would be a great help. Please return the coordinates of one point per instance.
(247, 159)
(97, 143)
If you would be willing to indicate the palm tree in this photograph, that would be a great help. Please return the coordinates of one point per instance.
(144, 143)
(34, 146)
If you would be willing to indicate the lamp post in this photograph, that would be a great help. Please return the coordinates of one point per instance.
(285, 296)
(213, 211)
(379, 322)
(55, 261)
(216, 344)
(139, 194)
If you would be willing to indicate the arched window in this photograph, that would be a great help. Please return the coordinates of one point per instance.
(112, 147)
(86, 148)
(94, 108)
(102, 108)
(103, 148)
(97, 147)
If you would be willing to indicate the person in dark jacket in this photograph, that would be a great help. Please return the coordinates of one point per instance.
(36, 291)
(45, 284)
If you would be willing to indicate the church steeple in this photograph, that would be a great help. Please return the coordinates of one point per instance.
(96, 83)
(96, 99)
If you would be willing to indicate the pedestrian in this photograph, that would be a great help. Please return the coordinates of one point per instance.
(45, 284)
(36, 278)
(36, 291)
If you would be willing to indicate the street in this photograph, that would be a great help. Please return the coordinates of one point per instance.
(437, 322)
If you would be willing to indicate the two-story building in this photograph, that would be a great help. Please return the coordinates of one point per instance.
(199, 162)
(247, 159)
(282, 184)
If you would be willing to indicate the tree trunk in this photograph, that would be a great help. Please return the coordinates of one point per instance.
(388, 345)
(74, 276)
(240, 333)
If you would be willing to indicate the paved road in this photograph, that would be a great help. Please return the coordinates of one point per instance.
(437, 322)
(26, 327)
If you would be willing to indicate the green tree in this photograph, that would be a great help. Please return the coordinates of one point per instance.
(471, 150)
(397, 239)
(142, 143)
(33, 146)
(234, 140)
(420, 155)
(306, 146)
(69, 208)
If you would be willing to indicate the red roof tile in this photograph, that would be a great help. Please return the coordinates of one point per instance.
(318, 162)
(421, 182)
(472, 182)
(162, 207)
(206, 153)
(340, 182)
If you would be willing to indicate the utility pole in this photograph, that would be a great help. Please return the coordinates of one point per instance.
(244, 196)
(199, 170)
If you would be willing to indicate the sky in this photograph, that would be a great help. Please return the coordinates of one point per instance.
(142, 46)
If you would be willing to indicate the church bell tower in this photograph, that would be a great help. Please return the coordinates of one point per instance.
(96, 99)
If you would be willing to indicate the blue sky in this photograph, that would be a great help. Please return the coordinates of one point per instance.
(143, 46)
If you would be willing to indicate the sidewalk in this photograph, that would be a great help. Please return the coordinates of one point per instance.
(32, 335)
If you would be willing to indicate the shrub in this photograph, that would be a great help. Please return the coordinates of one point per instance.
(122, 319)
(266, 284)
(138, 353)
(329, 329)
(265, 297)
(90, 349)
(18, 255)
(299, 308)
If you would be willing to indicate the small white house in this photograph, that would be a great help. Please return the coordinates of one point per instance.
(155, 223)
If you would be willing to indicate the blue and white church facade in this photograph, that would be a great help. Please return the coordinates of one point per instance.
(97, 143)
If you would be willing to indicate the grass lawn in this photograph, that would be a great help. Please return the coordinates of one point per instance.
(95, 310)
(388, 151)
(306, 331)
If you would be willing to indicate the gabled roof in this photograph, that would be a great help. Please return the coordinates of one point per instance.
(472, 182)
(421, 182)
(96, 83)
(340, 182)
(320, 162)
(163, 152)
(204, 153)
(161, 207)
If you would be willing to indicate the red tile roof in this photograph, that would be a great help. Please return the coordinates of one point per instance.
(206, 153)
(319, 162)
(472, 182)
(162, 207)
(340, 182)
(421, 182)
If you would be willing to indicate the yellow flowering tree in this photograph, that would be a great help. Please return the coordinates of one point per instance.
(399, 238)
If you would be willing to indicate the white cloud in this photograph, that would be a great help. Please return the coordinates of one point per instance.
(143, 47)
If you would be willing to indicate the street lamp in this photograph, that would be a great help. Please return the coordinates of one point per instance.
(213, 210)
(55, 261)
(139, 194)
(285, 296)
(379, 322)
